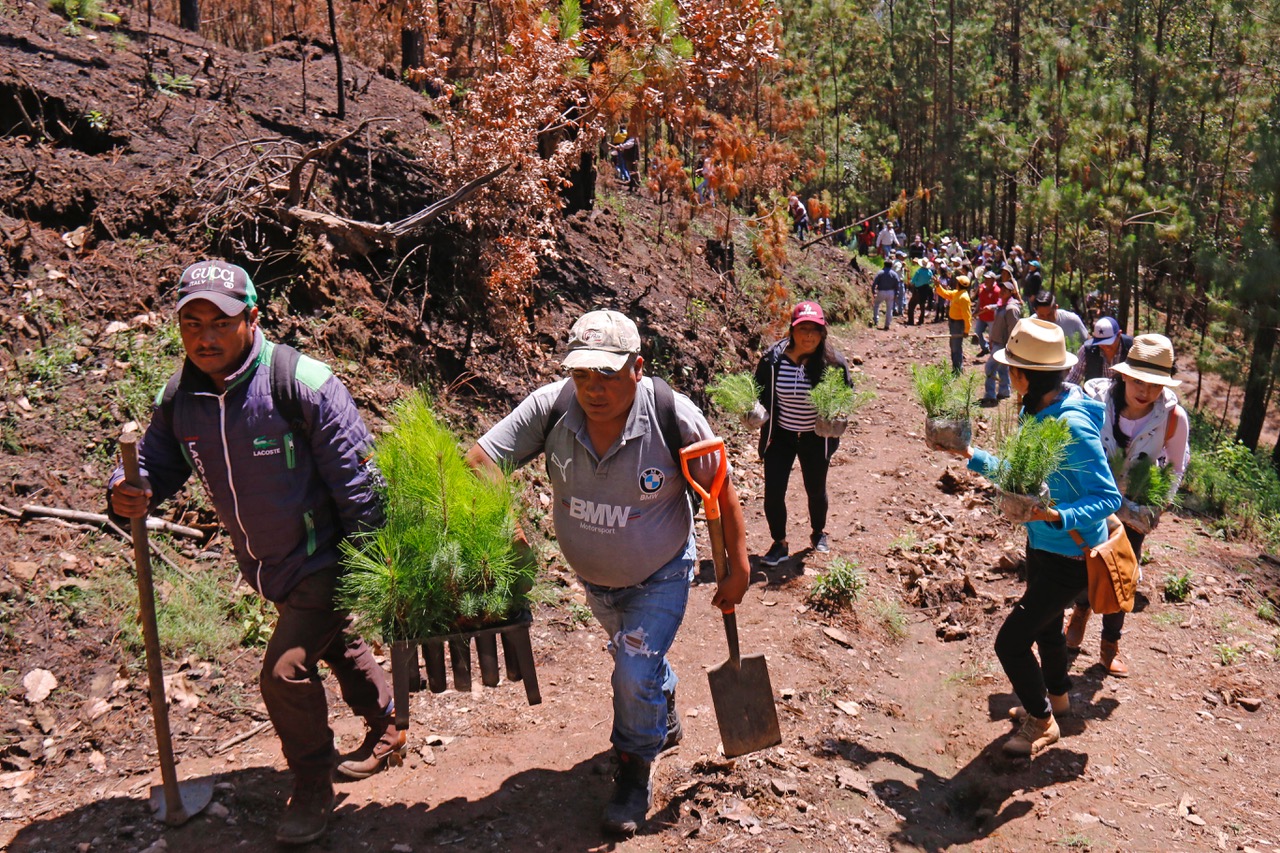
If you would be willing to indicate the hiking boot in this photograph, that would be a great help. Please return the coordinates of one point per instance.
(307, 815)
(675, 731)
(384, 746)
(820, 543)
(631, 798)
(1075, 627)
(988, 402)
(1111, 660)
(1035, 735)
(777, 554)
(1059, 702)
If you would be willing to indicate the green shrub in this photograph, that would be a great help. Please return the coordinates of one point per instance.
(834, 399)
(838, 587)
(1239, 485)
(735, 393)
(943, 393)
(88, 12)
(1177, 587)
(1031, 453)
(445, 559)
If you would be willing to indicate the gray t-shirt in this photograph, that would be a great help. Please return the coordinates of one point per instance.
(619, 516)
(1072, 327)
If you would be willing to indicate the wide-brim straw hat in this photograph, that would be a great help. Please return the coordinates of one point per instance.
(1036, 344)
(1150, 360)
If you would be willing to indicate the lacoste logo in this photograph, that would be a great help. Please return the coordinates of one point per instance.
(265, 445)
(563, 466)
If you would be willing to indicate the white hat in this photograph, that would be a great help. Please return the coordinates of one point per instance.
(602, 340)
(1036, 344)
(1150, 359)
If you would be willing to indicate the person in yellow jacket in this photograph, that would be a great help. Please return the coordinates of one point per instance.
(959, 317)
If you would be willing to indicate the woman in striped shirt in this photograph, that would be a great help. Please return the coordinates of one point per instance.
(786, 374)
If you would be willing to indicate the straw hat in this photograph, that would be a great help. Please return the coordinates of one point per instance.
(1036, 344)
(1150, 360)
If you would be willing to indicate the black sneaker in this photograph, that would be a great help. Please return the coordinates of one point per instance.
(675, 731)
(820, 543)
(777, 554)
(631, 799)
(988, 402)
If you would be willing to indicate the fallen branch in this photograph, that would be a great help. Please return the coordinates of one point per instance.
(33, 511)
(362, 237)
(241, 738)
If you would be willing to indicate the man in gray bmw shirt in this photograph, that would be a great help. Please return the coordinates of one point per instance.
(624, 522)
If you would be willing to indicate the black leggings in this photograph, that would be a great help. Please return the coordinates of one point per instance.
(779, 457)
(919, 296)
(1053, 582)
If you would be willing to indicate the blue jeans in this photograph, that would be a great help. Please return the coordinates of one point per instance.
(642, 621)
(995, 370)
(979, 333)
(956, 328)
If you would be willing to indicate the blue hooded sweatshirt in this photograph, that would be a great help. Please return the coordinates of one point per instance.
(1082, 490)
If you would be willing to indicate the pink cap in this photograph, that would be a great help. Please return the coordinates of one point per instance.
(808, 312)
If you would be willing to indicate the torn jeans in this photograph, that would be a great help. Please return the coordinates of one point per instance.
(641, 622)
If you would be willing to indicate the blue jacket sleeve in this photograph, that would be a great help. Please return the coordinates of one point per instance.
(1084, 491)
(341, 447)
(160, 460)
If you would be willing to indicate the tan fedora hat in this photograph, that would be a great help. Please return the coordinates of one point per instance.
(1036, 344)
(1150, 360)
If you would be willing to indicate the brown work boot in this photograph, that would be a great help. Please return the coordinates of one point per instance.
(384, 745)
(1075, 627)
(1035, 735)
(1111, 660)
(307, 815)
(1059, 702)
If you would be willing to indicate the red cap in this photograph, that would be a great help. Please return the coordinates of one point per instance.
(808, 312)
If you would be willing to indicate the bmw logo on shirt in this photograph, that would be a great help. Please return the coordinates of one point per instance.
(651, 480)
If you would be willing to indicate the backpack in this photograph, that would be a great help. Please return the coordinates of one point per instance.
(284, 390)
(668, 423)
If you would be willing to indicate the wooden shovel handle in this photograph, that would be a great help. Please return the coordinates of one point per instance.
(711, 506)
(174, 810)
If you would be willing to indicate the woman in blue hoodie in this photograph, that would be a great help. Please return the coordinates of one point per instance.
(1082, 493)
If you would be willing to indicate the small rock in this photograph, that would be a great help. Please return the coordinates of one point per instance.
(847, 777)
(1195, 819)
(1249, 703)
(428, 755)
(850, 708)
(783, 787)
(839, 636)
(23, 570)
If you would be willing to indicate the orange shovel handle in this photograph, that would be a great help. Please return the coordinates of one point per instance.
(710, 498)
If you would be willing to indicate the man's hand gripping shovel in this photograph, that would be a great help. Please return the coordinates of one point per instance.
(172, 802)
(740, 688)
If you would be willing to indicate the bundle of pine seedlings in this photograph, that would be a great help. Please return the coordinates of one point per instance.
(1031, 454)
(835, 400)
(1145, 483)
(735, 393)
(944, 394)
(445, 559)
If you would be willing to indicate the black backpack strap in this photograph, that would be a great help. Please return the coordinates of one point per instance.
(165, 401)
(284, 387)
(668, 424)
(559, 409)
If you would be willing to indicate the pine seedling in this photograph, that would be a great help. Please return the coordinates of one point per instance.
(444, 560)
(1149, 484)
(835, 400)
(838, 587)
(1031, 454)
(735, 393)
(942, 393)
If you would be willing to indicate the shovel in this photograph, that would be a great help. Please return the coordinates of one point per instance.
(171, 803)
(740, 688)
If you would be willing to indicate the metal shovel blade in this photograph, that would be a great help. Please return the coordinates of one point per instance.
(192, 797)
(743, 699)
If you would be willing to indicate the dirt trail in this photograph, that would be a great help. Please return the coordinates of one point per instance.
(909, 760)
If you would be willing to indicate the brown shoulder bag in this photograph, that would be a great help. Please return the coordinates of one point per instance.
(1113, 570)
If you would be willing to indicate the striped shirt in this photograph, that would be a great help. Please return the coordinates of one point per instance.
(791, 398)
